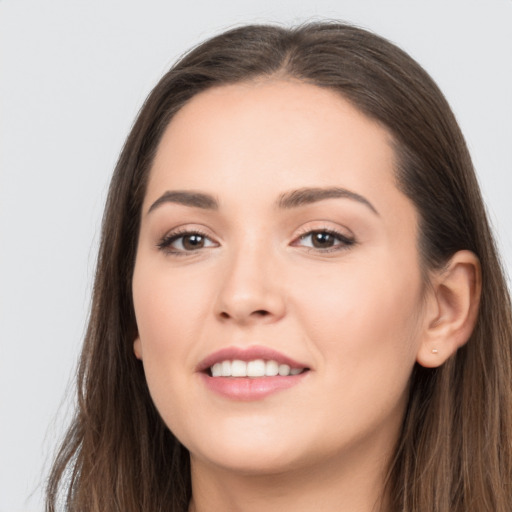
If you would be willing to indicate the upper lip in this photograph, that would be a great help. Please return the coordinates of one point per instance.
(247, 354)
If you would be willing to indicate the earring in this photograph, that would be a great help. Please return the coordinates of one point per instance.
(434, 351)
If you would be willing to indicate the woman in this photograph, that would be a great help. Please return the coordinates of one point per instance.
(298, 302)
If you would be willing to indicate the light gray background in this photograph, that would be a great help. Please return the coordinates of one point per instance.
(74, 74)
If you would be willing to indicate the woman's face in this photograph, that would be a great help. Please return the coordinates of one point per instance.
(273, 234)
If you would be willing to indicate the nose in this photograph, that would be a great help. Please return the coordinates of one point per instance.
(251, 289)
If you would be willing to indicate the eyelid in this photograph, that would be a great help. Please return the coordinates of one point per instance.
(345, 240)
(164, 243)
(323, 226)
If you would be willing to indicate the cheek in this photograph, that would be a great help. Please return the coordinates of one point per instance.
(364, 317)
(171, 310)
(168, 306)
(170, 314)
(363, 326)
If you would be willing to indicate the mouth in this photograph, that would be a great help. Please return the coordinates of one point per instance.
(251, 373)
(254, 369)
(254, 362)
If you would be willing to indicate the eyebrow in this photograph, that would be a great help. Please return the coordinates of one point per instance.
(304, 196)
(287, 200)
(186, 198)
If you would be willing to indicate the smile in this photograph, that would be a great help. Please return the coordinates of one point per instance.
(253, 369)
(250, 373)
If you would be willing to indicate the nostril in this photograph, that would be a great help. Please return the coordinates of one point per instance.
(245, 315)
(261, 312)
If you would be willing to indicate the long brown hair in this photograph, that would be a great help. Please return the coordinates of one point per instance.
(455, 450)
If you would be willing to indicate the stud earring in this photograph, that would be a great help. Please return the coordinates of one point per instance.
(434, 351)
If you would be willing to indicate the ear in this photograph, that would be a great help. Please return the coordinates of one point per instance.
(452, 309)
(137, 348)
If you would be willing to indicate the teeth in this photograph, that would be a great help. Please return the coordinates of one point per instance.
(216, 370)
(284, 370)
(271, 368)
(255, 368)
(226, 368)
(238, 368)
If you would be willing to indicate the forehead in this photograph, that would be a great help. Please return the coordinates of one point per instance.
(272, 135)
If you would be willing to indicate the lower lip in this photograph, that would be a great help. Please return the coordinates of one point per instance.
(247, 389)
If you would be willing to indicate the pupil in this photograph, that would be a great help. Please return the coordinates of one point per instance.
(193, 242)
(322, 239)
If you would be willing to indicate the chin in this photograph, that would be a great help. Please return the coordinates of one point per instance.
(249, 460)
(250, 450)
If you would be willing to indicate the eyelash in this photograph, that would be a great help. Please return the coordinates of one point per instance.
(345, 242)
(165, 243)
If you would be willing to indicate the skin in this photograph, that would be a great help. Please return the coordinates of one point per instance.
(358, 314)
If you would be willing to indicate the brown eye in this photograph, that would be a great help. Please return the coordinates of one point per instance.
(193, 241)
(325, 240)
(322, 240)
(185, 242)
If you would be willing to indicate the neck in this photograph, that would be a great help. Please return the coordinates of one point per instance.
(349, 486)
